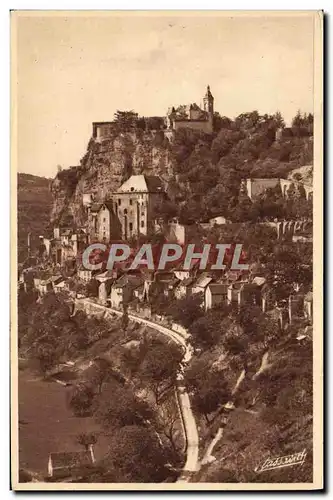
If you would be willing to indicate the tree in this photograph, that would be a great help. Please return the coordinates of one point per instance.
(279, 121)
(168, 417)
(160, 366)
(209, 387)
(86, 439)
(224, 142)
(124, 318)
(247, 120)
(207, 330)
(132, 357)
(99, 373)
(125, 119)
(166, 210)
(117, 406)
(257, 326)
(48, 322)
(81, 399)
(47, 354)
(220, 122)
(288, 265)
(185, 311)
(92, 288)
(135, 453)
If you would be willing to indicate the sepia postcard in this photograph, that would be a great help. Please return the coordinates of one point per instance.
(167, 250)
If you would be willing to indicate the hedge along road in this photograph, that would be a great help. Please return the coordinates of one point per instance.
(189, 424)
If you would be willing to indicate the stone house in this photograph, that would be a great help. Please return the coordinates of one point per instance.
(201, 283)
(308, 306)
(70, 463)
(102, 130)
(60, 286)
(164, 283)
(255, 187)
(219, 220)
(122, 290)
(215, 294)
(176, 232)
(105, 281)
(86, 274)
(184, 288)
(44, 286)
(103, 222)
(66, 243)
(234, 293)
(28, 279)
(183, 274)
(267, 298)
(148, 279)
(135, 202)
(296, 306)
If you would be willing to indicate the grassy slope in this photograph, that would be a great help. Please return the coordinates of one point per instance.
(46, 423)
(34, 202)
(278, 423)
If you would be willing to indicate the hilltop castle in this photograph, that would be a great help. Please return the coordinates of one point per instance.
(192, 116)
(184, 116)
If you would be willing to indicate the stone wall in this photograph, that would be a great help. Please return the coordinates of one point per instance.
(204, 126)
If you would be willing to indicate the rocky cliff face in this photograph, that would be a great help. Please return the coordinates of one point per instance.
(104, 167)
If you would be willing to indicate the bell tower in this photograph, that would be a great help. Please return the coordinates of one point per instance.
(208, 102)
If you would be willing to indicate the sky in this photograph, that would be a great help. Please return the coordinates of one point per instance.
(72, 70)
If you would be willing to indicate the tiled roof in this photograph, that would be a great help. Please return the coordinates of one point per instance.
(203, 281)
(259, 281)
(187, 282)
(143, 184)
(95, 207)
(154, 183)
(217, 289)
(107, 274)
(71, 459)
(128, 280)
(58, 277)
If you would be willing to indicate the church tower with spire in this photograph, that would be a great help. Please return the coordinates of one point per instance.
(208, 102)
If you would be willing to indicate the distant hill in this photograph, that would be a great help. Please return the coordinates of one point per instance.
(34, 201)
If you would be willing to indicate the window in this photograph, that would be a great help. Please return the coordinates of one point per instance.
(119, 202)
(142, 223)
(104, 219)
(142, 214)
(131, 202)
(130, 226)
(125, 211)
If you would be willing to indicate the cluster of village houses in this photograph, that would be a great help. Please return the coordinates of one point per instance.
(130, 212)
(136, 289)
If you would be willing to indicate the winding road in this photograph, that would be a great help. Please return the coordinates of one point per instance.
(189, 424)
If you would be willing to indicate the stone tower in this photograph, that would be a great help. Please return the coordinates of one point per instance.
(208, 102)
